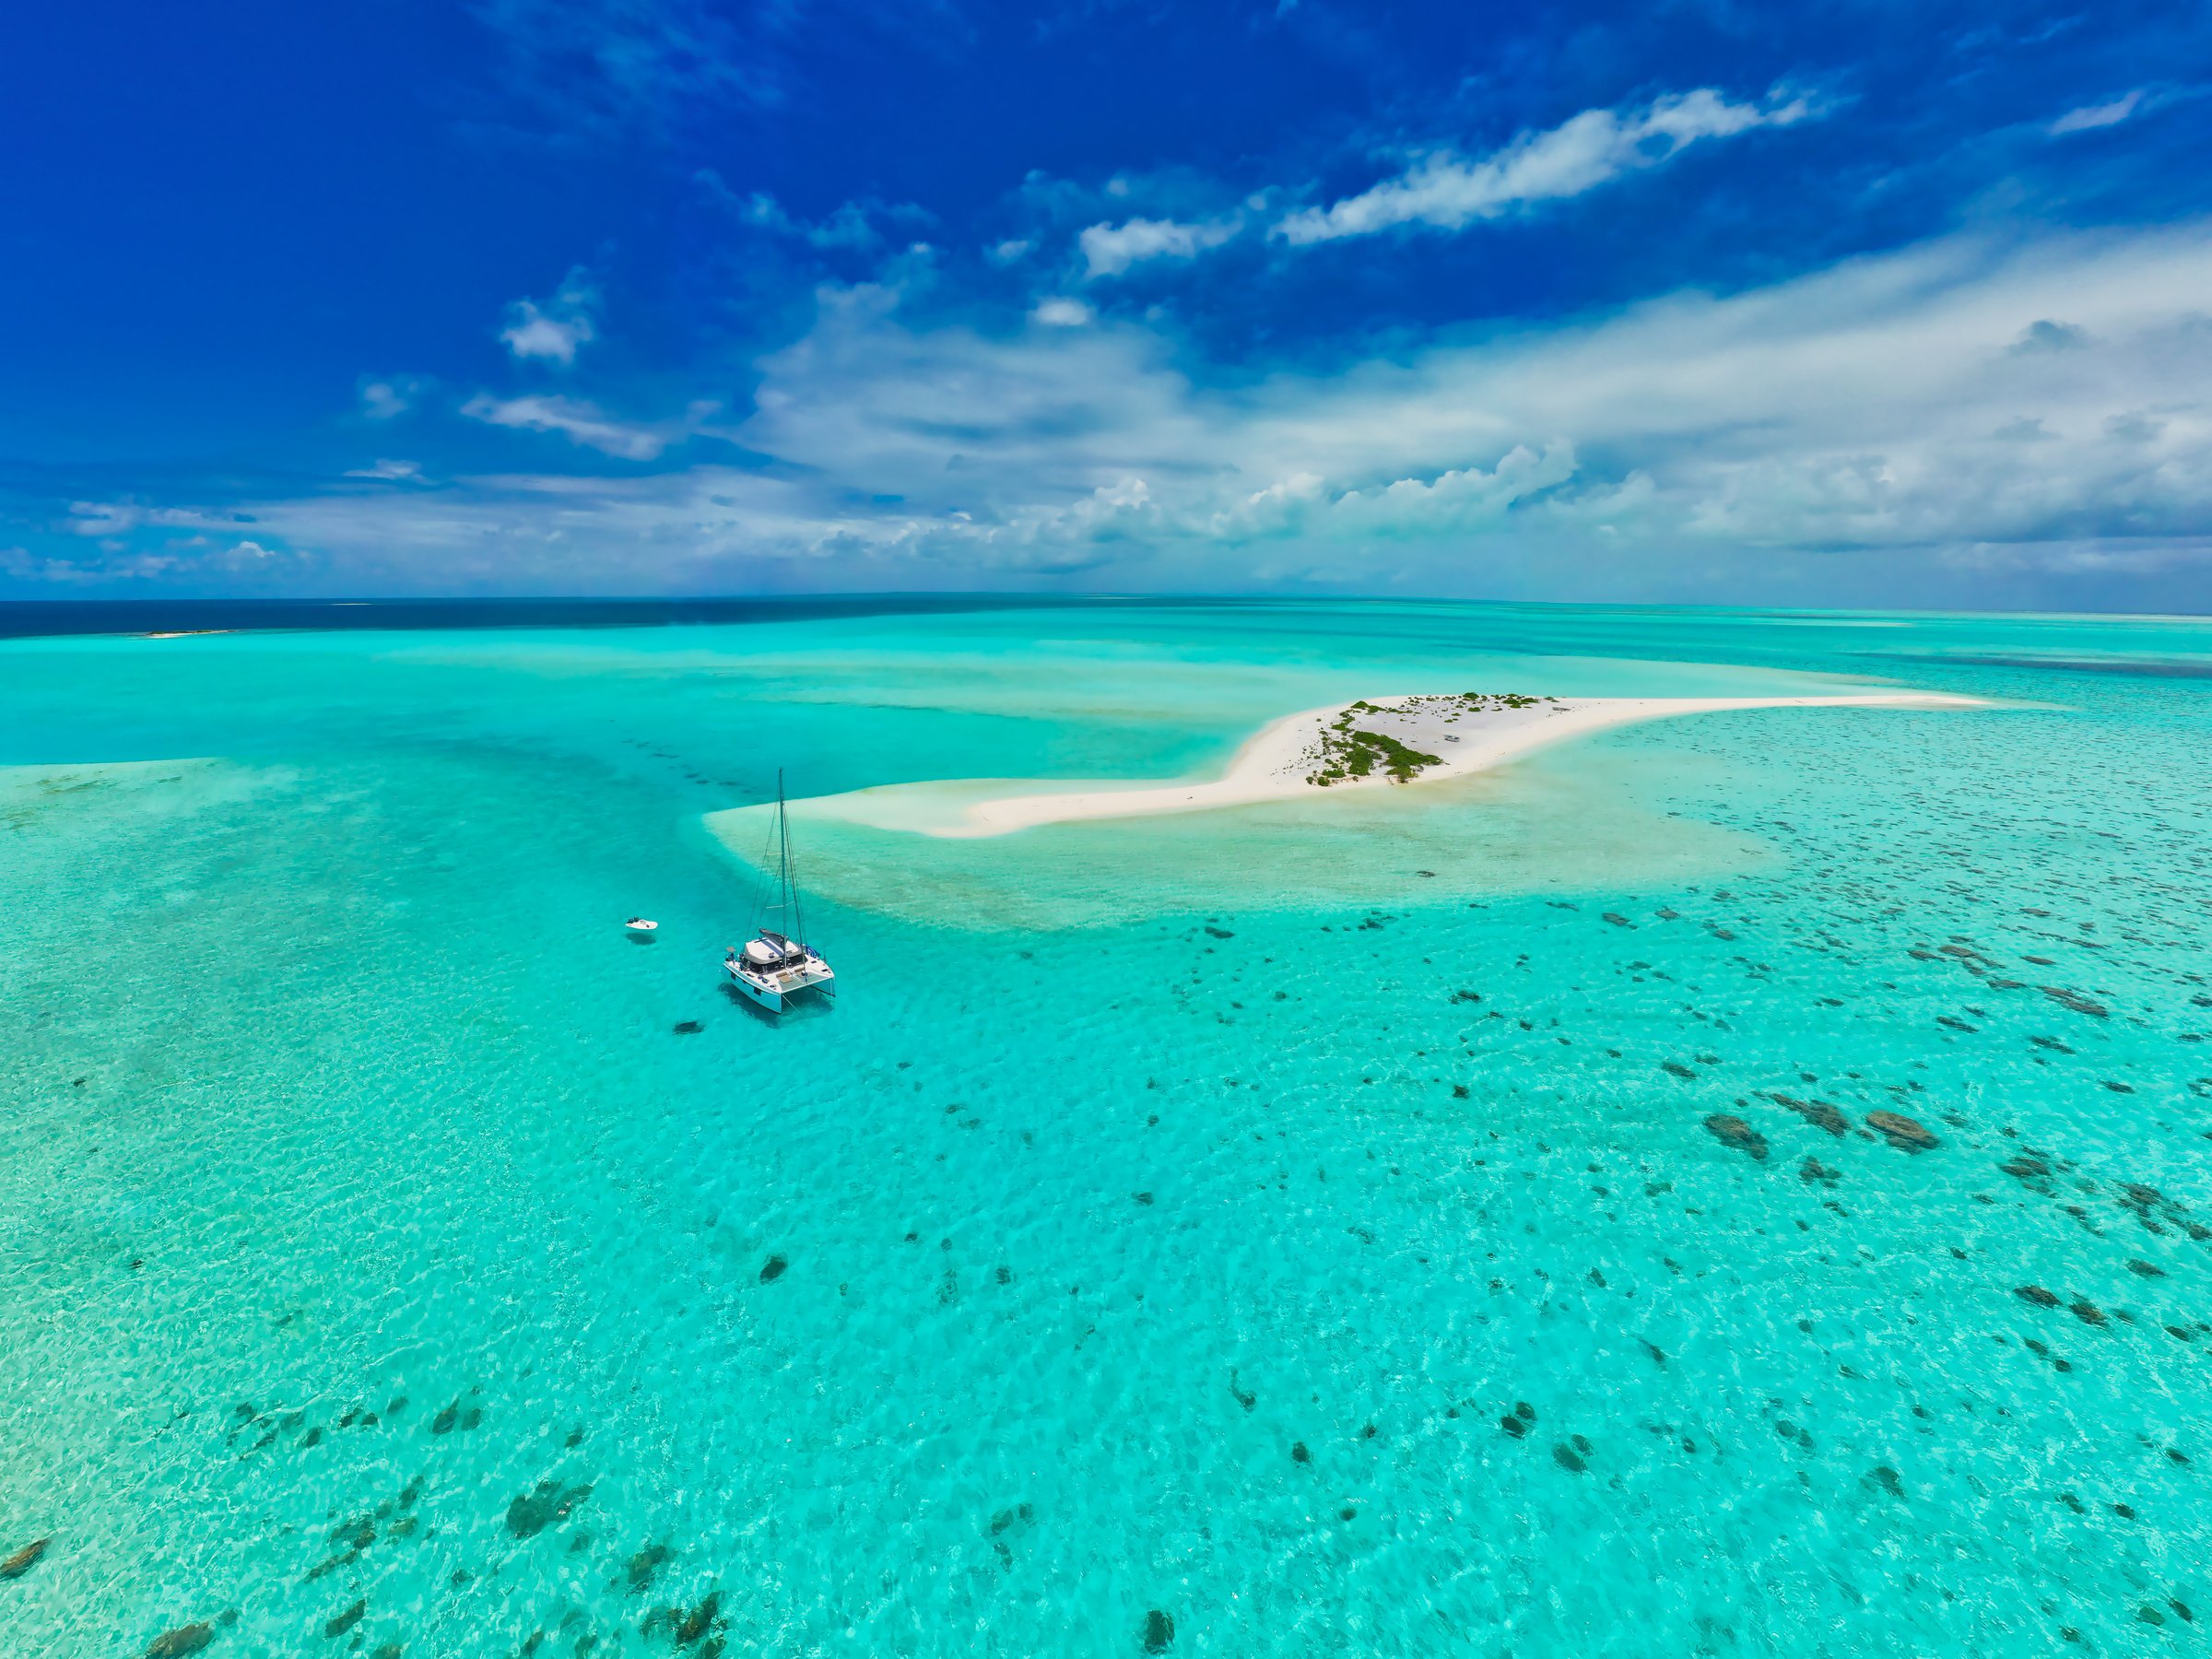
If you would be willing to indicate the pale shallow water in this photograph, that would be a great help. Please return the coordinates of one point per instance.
(1141, 1252)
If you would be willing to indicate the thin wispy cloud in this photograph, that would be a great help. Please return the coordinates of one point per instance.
(859, 225)
(389, 472)
(2091, 116)
(1445, 190)
(600, 67)
(607, 70)
(576, 419)
(389, 398)
(1109, 250)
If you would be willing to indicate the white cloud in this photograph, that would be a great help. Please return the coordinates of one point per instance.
(2091, 116)
(184, 557)
(1446, 190)
(389, 471)
(1062, 314)
(112, 518)
(555, 330)
(390, 398)
(1111, 248)
(851, 226)
(575, 419)
(25, 566)
(1878, 405)
(1457, 500)
(1871, 423)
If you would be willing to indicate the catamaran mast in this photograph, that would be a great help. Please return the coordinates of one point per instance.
(790, 885)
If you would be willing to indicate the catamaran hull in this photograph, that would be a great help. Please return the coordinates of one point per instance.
(771, 1000)
(775, 1001)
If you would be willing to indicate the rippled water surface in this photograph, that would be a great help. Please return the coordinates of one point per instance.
(1430, 1221)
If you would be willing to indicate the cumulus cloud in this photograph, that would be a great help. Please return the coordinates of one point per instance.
(1878, 405)
(1062, 314)
(555, 330)
(1109, 250)
(2091, 116)
(1456, 500)
(1447, 191)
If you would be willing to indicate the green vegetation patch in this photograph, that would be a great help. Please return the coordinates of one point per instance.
(1349, 752)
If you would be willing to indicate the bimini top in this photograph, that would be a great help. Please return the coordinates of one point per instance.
(762, 954)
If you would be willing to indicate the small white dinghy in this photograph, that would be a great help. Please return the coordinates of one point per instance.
(639, 924)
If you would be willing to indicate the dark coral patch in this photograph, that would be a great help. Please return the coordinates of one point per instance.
(1819, 1113)
(1901, 1132)
(1734, 1132)
(700, 1621)
(549, 1502)
(344, 1621)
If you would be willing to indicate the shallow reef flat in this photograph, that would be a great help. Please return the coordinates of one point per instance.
(1733, 1183)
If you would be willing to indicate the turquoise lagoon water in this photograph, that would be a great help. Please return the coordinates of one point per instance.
(1285, 1231)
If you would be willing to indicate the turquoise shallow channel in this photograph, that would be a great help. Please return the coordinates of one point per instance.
(1299, 1230)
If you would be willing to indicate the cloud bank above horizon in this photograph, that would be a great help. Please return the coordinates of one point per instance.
(1772, 333)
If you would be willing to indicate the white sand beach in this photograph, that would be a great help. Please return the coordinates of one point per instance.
(1282, 759)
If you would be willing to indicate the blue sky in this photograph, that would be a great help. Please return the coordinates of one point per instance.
(1837, 303)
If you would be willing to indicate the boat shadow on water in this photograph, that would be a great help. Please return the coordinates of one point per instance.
(799, 1006)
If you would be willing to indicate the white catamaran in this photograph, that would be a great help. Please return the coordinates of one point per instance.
(776, 966)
